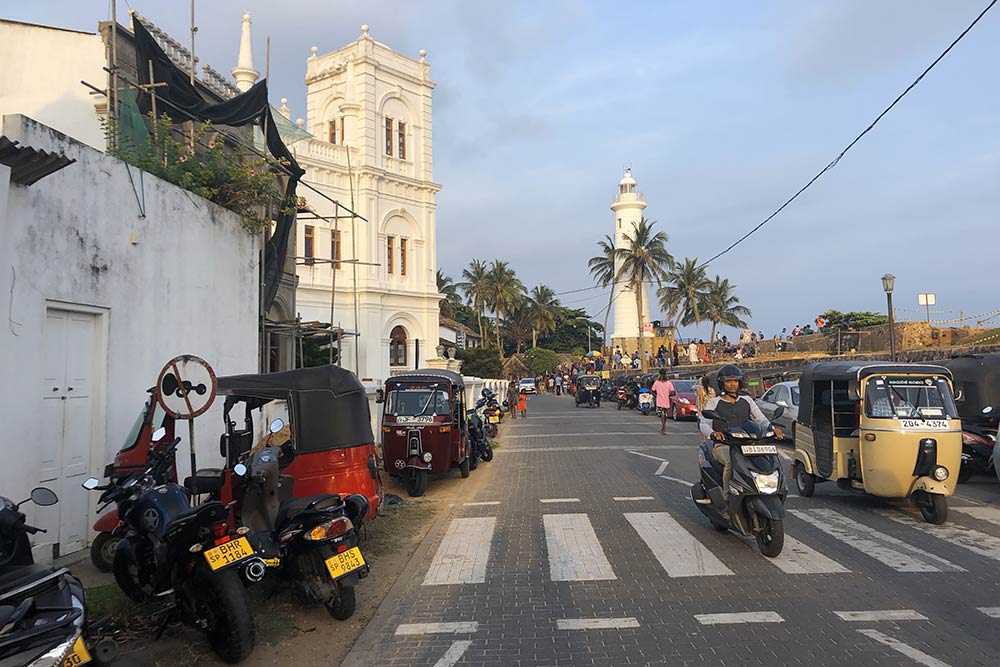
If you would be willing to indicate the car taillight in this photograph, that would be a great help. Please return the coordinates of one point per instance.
(330, 529)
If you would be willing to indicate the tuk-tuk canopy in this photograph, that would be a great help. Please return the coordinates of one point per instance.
(429, 375)
(326, 404)
(978, 378)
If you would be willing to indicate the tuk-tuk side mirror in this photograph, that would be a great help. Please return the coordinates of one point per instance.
(239, 470)
(380, 396)
(854, 391)
(158, 434)
(988, 409)
(276, 425)
(223, 442)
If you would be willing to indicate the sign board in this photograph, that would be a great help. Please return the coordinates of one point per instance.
(186, 386)
(928, 299)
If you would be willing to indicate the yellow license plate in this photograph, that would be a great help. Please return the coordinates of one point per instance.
(231, 552)
(78, 656)
(494, 419)
(345, 563)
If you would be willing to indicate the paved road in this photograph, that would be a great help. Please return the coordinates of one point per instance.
(579, 545)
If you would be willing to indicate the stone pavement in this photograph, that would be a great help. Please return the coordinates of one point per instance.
(579, 545)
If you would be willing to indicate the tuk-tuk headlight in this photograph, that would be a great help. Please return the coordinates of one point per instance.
(765, 483)
(427, 457)
(940, 473)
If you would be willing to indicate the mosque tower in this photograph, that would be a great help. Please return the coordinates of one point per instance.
(244, 73)
(628, 205)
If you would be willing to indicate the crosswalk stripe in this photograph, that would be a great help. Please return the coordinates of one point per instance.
(895, 553)
(454, 653)
(464, 552)
(459, 627)
(739, 617)
(797, 558)
(990, 514)
(881, 615)
(912, 653)
(573, 549)
(597, 623)
(680, 554)
(992, 612)
(973, 540)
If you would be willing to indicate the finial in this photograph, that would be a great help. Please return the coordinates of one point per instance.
(284, 101)
(314, 51)
(422, 53)
(246, 15)
(300, 122)
(364, 30)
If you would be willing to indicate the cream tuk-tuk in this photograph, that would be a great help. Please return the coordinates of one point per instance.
(889, 429)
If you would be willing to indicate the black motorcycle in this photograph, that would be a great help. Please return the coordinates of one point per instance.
(311, 541)
(186, 553)
(478, 419)
(43, 618)
(756, 504)
(979, 439)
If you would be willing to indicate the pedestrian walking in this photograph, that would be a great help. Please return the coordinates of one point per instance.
(522, 404)
(663, 389)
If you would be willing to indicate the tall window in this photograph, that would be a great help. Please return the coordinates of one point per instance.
(331, 128)
(388, 136)
(402, 257)
(390, 244)
(335, 247)
(402, 139)
(310, 236)
(342, 124)
(397, 347)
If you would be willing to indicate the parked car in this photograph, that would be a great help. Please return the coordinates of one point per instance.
(684, 404)
(527, 385)
(784, 395)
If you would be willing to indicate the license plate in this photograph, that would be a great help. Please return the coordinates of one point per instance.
(344, 563)
(231, 552)
(934, 424)
(78, 656)
(759, 449)
(494, 419)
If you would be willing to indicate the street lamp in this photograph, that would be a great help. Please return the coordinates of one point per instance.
(888, 281)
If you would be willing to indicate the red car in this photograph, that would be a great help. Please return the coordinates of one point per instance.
(684, 404)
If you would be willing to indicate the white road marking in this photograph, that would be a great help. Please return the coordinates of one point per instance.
(648, 456)
(739, 617)
(460, 627)
(680, 554)
(663, 466)
(463, 554)
(573, 549)
(897, 554)
(992, 612)
(627, 498)
(973, 540)
(590, 434)
(482, 503)
(991, 514)
(596, 623)
(559, 500)
(454, 653)
(913, 654)
(676, 479)
(881, 615)
(581, 448)
(797, 558)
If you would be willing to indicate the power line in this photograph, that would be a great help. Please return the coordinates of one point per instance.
(856, 139)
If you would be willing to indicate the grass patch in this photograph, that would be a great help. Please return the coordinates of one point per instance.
(394, 525)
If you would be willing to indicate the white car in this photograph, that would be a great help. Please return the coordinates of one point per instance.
(785, 395)
(527, 385)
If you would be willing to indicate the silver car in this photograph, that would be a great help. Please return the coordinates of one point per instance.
(785, 395)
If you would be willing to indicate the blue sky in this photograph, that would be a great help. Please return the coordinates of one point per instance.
(722, 110)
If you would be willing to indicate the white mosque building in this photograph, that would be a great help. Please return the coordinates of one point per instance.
(627, 206)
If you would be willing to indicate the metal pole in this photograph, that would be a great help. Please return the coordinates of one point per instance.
(892, 329)
(194, 29)
(928, 306)
(194, 463)
(354, 266)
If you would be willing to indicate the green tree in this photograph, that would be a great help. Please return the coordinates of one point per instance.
(643, 258)
(542, 304)
(519, 324)
(682, 299)
(602, 268)
(539, 360)
(446, 286)
(480, 362)
(858, 319)
(721, 306)
(570, 331)
(504, 291)
(475, 286)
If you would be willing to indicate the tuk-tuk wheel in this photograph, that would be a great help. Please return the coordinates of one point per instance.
(804, 482)
(416, 482)
(463, 467)
(933, 507)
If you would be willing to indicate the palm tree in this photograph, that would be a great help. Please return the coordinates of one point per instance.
(721, 306)
(602, 268)
(543, 304)
(643, 257)
(682, 299)
(519, 324)
(504, 290)
(446, 286)
(476, 289)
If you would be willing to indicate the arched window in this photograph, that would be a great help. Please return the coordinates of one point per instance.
(397, 347)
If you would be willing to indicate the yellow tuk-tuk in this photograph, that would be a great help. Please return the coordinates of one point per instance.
(889, 429)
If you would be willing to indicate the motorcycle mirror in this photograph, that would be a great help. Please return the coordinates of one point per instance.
(276, 425)
(43, 497)
(239, 469)
(779, 411)
(90, 483)
(988, 409)
(158, 434)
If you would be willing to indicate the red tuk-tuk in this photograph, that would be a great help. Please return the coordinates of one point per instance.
(424, 426)
(331, 445)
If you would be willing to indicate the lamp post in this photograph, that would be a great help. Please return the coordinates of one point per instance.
(888, 281)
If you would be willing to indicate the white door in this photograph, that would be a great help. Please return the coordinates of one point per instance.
(66, 428)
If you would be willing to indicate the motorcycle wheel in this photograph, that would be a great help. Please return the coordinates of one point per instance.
(464, 468)
(342, 608)
(933, 507)
(230, 631)
(126, 573)
(416, 483)
(487, 453)
(102, 551)
(771, 537)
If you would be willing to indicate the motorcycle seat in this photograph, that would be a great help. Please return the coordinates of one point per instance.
(203, 515)
(205, 480)
(290, 508)
(20, 579)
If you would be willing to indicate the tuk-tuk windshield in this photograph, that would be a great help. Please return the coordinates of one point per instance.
(132, 439)
(909, 398)
(417, 401)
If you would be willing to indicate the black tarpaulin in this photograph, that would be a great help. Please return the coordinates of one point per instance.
(249, 108)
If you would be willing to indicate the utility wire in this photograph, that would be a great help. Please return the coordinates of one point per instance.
(856, 139)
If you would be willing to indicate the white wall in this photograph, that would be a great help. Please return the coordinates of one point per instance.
(41, 74)
(188, 284)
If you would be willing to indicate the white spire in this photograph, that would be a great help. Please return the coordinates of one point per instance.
(244, 73)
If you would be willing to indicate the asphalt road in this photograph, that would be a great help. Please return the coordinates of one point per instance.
(579, 545)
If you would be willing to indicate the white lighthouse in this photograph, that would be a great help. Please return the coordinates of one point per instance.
(628, 205)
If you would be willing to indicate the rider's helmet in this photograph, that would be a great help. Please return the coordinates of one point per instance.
(728, 372)
(486, 392)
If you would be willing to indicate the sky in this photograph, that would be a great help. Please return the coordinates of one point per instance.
(722, 110)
